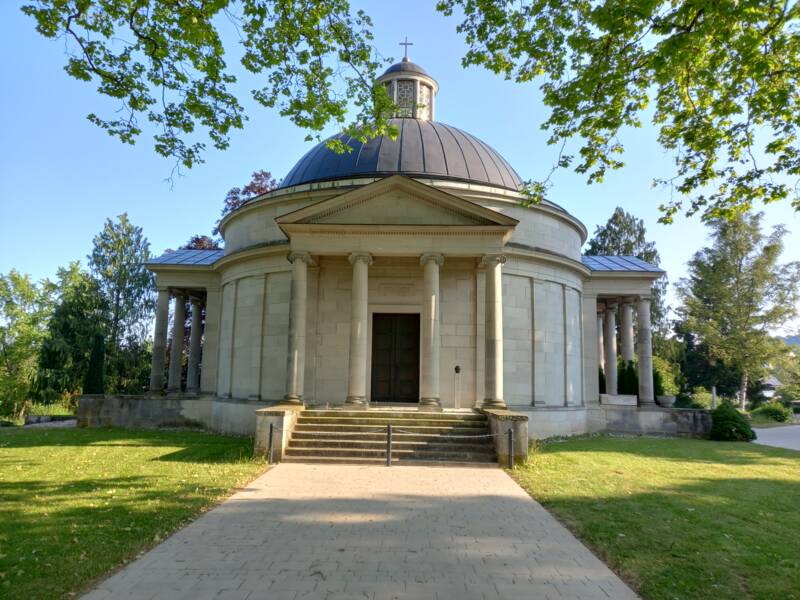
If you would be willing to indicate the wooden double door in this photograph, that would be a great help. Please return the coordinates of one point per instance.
(395, 357)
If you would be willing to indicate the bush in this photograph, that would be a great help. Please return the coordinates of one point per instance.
(627, 378)
(701, 397)
(774, 411)
(664, 377)
(729, 425)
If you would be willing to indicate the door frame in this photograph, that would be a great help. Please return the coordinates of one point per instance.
(397, 309)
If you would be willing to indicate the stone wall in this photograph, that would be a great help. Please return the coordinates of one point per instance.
(545, 423)
(542, 335)
(143, 411)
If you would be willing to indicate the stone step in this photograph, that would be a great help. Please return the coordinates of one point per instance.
(396, 445)
(439, 438)
(399, 454)
(383, 421)
(404, 462)
(381, 430)
(395, 414)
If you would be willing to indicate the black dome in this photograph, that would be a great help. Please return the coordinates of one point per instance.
(422, 149)
(406, 67)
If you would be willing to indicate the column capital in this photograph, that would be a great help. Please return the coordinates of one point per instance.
(490, 260)
(364, 257)
(195, 300)
(610, 308)
(432, 256)
(301, 256)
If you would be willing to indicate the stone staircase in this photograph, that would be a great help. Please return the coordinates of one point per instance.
(359, 437)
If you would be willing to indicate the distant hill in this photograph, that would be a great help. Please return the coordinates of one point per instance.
(792, 340)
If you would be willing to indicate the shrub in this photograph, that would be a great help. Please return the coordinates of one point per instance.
(701, 397)
(729, 425)
(664, 377)
(627, 378)
(775, 411)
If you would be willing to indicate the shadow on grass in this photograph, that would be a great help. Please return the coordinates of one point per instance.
(675, 449)
(712, 538)
(197, 446)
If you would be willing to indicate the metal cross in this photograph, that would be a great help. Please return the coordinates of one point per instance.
(406, 43)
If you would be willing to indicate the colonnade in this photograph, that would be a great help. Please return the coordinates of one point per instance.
(176, 350)
(607, 342)
(430, 321)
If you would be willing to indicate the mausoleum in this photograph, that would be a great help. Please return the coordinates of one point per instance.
(407, 272)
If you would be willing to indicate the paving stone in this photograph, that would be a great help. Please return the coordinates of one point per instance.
(349, 532)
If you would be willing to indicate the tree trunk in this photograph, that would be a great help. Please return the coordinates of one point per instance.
(743, 392)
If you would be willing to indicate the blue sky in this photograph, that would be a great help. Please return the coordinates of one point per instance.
(60, 176)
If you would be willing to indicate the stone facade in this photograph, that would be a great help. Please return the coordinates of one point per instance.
(509, 314)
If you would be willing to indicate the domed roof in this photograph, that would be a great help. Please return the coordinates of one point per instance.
(406, 66)
(422, 149)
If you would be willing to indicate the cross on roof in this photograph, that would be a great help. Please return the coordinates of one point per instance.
(406, 43)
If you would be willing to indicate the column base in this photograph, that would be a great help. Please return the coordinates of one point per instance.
(647, 401)
(430, 404)
(494, 403)
(356, 401)
(293, 399)
(193, 392)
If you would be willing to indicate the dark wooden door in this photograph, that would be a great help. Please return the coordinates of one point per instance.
(395, 357)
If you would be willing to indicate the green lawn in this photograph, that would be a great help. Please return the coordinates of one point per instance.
(678, 518)
(76, 503)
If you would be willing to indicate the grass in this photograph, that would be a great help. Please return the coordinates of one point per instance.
(76, 503)
(678, 518)
(51, 410)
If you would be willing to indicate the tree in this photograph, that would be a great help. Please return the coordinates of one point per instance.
(737, 293)
(201, 242)
(118, 263)
(625, 235)
(95, 373)
(165, 63)
(24, 309)
(79, 314)
(715, 74)
(721, 78)
(261, 182)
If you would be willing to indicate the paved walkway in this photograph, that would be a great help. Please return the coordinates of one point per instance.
(307, 531)
(780, 437)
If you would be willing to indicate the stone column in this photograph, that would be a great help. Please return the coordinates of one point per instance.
(493, 397)
(645, 347)
(601, 352)
(195, 336)
(431, 338)
(297, 328)
(626, 330)
(610, 343)
(160, 342)
(176, 352)
(357, 380)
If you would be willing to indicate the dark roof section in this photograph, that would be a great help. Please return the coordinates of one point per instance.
(199, 258)
(406, 66)
(422, 149)
(619, 264)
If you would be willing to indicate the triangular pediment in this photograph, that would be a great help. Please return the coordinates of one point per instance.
(397, 201)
